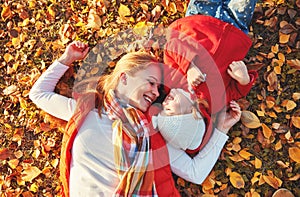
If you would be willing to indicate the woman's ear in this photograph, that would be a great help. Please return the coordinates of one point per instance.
(123, 78)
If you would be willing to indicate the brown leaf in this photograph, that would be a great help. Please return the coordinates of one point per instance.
(273, 81)
(250, 120)
(294, 63)
(294, 153)
(94, 20)
(5, 153)
(236, 180)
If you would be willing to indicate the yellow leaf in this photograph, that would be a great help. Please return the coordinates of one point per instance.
(236, 180)
(8, 57)
(283, 38)
(266, 131)
(34, 187)
(258, 163)
(124, 11)
(294, 153)
(236, 158)
(141, 28)
(296, 121)
(255, 177)
(245, 154)
(250, 120)
(94, 20)
(30, 173)
(172, 8)
(16, 42)
(288, 104)
(51, 11)
(13, 163)
(260, 113)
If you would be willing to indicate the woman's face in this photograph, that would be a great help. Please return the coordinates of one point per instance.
(176, 103)
(142, 88)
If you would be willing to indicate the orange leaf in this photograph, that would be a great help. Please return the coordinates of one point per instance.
(8, 57)
(172, 8)
(274, 49)
(250, 120)
(283, 38)
(294, 153)
(6, 13)
(266, 131)
(296, 121)
(255, 177)
(245, 154)
(278, 146)
(5, 153)
(273, 181)
(296, 96)
(236, 180)
(30, 173)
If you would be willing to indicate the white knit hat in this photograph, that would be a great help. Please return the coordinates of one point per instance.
(181, 131)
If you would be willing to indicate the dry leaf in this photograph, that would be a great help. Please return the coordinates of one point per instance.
(273, 181)
(295, 63)
(250, 120)
(236, 180)
(94, 20)
(245, 154)
(30, 173)
(294, 153)
(266, 131)
(6, 13)
(296, 121)
(257, 163)
(124, 11)
(283, 38)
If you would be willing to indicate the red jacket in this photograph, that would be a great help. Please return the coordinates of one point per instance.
(212, 44)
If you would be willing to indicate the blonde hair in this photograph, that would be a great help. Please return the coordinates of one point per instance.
(130, 63)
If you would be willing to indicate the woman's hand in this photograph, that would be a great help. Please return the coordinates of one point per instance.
(238, 71)
(76, 50)
(226, 119)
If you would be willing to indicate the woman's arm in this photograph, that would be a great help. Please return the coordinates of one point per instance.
(42, 92)
(43, 95)
(196, 169)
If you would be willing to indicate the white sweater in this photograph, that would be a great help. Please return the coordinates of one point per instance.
(92, 165)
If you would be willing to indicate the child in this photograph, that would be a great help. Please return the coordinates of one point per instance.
(208, 50)
(180, 122)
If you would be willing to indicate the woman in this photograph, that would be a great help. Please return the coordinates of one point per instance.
(109, 148)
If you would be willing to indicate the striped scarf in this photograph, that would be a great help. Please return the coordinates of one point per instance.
(132, 150)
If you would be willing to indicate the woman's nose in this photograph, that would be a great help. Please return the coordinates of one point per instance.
(155, 91)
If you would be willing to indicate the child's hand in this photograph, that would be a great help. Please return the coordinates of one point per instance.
(238, 71)
(226, 119)
(76, 50)
(195, 76)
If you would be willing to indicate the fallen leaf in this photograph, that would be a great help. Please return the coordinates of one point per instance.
(124, 11)
(266, 131)
(245, 154)
(295, 63)
(257, 163)
(296, 121)
(294, 153)
(30, 173)
(250, 120)
(283, 38)
(236, 180)
(272, 181)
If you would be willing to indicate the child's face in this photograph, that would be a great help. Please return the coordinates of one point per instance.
(176, 103)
